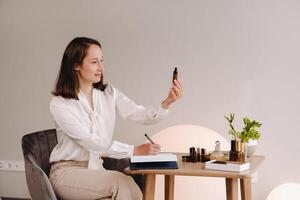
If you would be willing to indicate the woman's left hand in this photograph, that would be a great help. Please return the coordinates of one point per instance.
(175, 93)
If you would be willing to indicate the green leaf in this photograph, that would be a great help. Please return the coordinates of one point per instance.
(249, 131)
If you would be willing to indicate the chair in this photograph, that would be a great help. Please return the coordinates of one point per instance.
(37, 148)
(180, 138)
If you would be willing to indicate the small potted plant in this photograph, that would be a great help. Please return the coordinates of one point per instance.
(249, 134)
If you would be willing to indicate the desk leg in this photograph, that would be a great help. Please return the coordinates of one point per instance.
(169, 187)
(232, 188)
(246, 190)
(149, 187)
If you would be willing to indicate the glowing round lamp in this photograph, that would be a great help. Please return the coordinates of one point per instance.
(286, 191)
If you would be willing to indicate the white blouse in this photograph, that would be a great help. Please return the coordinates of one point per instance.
(84, 134)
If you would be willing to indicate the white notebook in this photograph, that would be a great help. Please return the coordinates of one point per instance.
(161, 157)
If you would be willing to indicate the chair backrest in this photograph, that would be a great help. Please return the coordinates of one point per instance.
(37, 148)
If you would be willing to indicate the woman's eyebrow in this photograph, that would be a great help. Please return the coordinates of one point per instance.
(97, 58)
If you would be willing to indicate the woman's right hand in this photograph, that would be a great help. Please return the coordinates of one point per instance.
(146, 149)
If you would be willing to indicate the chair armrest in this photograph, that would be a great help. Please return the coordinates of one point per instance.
(115, 164)
(38, 183)
(120, 165)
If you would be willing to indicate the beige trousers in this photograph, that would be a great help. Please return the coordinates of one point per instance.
(72, 180)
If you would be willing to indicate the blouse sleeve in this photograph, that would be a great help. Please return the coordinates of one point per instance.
(72, 126)
(119, 150)
(137, 113)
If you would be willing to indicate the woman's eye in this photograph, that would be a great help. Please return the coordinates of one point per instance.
(95, 62)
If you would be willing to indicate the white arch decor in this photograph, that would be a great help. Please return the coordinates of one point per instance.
(180, 138)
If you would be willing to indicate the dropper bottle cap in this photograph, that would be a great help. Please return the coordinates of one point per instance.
(217, 147)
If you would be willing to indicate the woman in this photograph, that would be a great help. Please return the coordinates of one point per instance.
(84, 113)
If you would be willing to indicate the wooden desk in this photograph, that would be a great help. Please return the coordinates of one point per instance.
(197, 169)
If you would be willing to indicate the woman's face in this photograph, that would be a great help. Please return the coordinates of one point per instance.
(92, 67)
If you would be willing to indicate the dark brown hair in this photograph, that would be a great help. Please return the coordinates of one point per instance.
(67, 84)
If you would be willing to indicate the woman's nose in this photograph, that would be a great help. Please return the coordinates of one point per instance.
(101, 65)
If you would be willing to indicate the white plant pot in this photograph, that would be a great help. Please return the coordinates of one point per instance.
(251, 147)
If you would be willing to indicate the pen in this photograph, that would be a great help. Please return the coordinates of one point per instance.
(149, 138)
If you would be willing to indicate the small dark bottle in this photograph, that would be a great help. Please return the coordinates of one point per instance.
(193, 154)
(204, 156)
(175, 74)
(198, 155)
(233, 154)
(186, 159)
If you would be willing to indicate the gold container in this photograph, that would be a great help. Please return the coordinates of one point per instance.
(240, 148)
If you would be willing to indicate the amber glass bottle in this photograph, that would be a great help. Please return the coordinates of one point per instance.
(233, 151)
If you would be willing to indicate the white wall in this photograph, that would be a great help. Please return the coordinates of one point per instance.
(233, 56)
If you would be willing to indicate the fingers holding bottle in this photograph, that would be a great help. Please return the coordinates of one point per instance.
(174, 94)
(177, 88)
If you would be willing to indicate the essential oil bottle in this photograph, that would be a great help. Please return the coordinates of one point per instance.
(217, 154)
(204, 155)
(233, 151)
